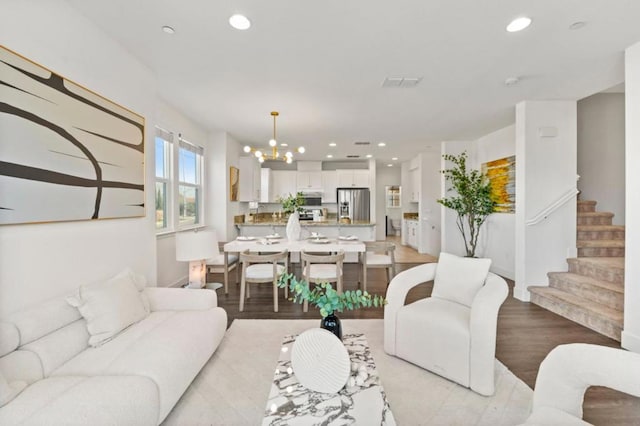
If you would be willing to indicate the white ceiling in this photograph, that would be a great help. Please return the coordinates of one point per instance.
(321, 64)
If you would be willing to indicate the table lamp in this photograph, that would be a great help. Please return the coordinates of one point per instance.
(195, 247)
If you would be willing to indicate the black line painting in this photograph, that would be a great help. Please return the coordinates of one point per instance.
(66, 153)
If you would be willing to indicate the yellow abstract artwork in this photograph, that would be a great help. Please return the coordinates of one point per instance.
(502, 175)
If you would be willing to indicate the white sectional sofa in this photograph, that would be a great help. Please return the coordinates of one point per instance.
(52, 375)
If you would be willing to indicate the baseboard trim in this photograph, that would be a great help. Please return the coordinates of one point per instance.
(179, 282)
(503, 272)
(521, 294)
(630, 341)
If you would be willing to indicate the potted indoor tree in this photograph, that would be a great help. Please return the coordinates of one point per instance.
(328, 300)
(472, 201)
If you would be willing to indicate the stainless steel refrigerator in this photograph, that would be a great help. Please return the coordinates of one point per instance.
(354, 204)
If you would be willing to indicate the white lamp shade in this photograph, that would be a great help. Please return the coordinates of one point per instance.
(196, 245)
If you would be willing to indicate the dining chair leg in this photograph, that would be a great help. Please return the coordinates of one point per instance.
(364, 271)
(248, 291)
(359, 269)
(275, 296)
(226, 272)
(242, 287)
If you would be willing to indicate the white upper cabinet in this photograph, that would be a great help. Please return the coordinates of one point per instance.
(357, 178)
(309, 180)
(249, 182)
(266, 186)
(284, 183)
(329, 186)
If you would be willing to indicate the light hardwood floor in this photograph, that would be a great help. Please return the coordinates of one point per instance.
(526, 332)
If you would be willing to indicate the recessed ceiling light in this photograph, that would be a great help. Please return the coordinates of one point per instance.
(519, 24)
(577, 25)
(332, 144)
(284, 144)
(395, 158)
(301, 150)
(382, 144)
(169, 30)
(329, 156)
(239, 22)
(369, 155)
(389, 165)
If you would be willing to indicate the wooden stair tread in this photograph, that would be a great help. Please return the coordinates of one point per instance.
(602, 262)
(611, 315)
(590, 202)
(600, 227)
(600, 243)
(577, 278)
(595, 214)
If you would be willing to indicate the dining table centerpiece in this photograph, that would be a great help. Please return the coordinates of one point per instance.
(328, 300)
(292, 204)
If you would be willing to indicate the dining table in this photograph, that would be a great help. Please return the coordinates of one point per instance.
(272, 245)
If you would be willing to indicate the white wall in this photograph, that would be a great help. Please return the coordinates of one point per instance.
(169, 271)
(631, 332)
(601, 152)
(40, 261)
(428, 208)
(497, 237)
(546, 169)
(385, 176)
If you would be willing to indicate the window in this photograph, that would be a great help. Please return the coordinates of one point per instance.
(189, 184)
(164, 144)
(179, 177)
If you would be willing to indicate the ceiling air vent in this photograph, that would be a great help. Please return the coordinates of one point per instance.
(353, 156)
(401, 82)
(362, 143)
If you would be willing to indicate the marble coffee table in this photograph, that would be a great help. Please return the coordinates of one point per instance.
(290, 403)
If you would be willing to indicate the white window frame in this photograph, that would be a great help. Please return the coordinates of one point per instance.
(167, 180)
(199, 186)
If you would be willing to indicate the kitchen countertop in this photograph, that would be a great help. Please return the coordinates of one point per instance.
(304, 223)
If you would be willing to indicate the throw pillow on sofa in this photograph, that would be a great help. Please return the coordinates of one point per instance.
(110, 306)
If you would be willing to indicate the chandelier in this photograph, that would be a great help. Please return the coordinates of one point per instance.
(275, 155)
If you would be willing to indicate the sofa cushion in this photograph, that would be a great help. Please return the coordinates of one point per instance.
(168, 347)
(112, 400)
(9, 338)
(9, 390)
(458, 279)
(109, 307)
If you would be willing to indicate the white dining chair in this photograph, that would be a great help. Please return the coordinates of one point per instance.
(318, 268)
(262, 268)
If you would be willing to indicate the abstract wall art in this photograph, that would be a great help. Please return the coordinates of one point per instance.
(66, 153)
(234, 183)
(502, 174)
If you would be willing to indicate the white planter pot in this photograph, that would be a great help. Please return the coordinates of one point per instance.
(293, 227)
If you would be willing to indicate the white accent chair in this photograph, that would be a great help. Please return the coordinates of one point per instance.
(453, 332)
(262, 268)
(567, 372)
(318, 268)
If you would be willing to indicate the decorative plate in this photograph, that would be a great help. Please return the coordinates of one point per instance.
(241, 238)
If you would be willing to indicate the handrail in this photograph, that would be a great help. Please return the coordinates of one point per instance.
(553, 207)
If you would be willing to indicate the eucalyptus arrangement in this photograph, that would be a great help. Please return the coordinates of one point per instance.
(472, 201)
(328, 300)
(292, 203)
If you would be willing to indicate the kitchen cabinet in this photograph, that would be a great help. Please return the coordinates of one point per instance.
(357, 178)
(266, 186)
(329, 186)
(415, 185)
(309, 180)
(413, 234)
(249, 182)
(284, 183)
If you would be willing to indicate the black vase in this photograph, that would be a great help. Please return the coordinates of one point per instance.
(332, 323)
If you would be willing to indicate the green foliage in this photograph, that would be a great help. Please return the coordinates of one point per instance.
(292, 203)
(325, 298)
(472, 201)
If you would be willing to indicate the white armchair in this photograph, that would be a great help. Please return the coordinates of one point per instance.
(453, 332)
(567, 372)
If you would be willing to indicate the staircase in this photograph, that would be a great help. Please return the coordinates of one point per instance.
(592, 292)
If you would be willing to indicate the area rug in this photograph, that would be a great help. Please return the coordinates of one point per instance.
(233, 387)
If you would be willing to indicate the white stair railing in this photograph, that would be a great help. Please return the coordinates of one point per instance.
(545, 213)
